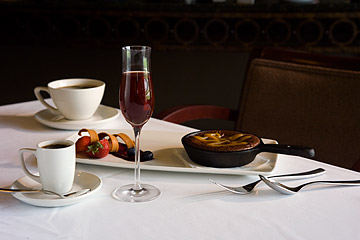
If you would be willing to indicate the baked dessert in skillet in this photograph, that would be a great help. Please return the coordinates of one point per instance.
(222, 140)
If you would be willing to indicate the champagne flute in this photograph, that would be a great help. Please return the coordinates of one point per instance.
(137, 105)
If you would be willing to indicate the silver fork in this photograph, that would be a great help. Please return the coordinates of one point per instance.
(249, 187)
(292, 190)
(66, 195)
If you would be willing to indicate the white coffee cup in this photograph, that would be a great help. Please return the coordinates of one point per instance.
(56, 160)
(75, 98)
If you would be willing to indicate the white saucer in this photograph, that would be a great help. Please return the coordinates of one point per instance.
(83, 180)
(102, 115)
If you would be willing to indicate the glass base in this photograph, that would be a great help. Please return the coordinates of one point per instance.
(128, 194)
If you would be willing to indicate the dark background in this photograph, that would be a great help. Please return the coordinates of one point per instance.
(179, 77)
(201, 62)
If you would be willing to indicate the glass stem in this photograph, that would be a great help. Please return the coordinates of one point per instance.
(137, 185)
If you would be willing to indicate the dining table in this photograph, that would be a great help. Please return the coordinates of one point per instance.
(189, 207)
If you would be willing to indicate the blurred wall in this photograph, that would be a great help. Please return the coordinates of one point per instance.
(199, 51)
(180, 77)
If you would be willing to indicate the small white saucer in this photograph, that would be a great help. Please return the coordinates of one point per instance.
(83, 180)
(102, 115)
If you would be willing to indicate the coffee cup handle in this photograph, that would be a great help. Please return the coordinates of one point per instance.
(38, 95)
(27, 172)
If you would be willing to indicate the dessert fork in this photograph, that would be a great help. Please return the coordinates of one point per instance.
(249, 187)
(292, 190)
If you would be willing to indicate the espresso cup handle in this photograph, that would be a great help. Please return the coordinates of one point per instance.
(23, 165)
(38, 95)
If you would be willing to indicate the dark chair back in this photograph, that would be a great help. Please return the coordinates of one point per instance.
(296, 98)
(305, 103)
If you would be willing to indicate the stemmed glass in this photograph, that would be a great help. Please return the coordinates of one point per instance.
(137, 105)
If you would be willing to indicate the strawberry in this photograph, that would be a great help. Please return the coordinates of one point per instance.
(82, 144)
(98, 149)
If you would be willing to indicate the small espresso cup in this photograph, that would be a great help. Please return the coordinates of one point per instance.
(75, 98)
(56, 162)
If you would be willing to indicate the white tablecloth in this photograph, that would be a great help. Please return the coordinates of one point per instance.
(190, 207)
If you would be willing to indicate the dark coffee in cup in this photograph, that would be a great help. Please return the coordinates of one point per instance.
(56, 146)
(78, 87)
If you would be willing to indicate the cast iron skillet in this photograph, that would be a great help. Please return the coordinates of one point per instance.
(242, 157)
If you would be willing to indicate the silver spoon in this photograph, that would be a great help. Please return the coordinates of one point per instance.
(292, 190)
(249, 187)
(66, 195)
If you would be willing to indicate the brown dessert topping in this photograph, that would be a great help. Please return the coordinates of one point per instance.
(223, 140)
(217, 139)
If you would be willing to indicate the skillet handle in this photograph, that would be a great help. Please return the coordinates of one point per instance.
(301, 151)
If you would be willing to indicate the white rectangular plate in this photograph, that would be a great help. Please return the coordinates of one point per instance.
(169, 155)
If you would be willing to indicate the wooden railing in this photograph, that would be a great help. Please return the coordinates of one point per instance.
(181, 27)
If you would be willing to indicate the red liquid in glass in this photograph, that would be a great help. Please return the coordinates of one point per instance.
(136, 97)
